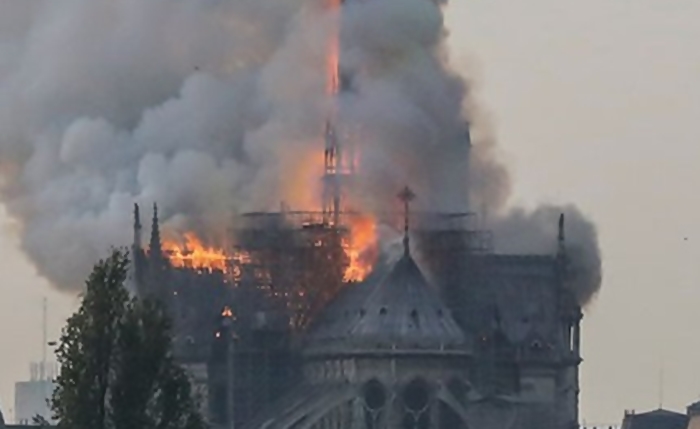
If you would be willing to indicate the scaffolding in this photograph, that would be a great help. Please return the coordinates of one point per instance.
(283, 270)
(299, 268)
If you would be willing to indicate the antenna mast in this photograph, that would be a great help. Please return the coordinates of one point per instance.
(42, 371)
(661, 385)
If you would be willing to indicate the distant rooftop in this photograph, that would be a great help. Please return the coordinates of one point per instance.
(657, 419)
(693, 409)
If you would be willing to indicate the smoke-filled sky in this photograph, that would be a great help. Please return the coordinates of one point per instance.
(589, 103)
(189, 105)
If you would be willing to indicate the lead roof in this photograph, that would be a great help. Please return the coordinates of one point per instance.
(402, 313)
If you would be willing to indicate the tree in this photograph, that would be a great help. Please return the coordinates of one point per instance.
(117, 368)
(39, 421)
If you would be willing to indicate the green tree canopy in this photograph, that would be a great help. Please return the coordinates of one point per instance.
(117, 368)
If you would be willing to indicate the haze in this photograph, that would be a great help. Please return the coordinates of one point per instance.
(594, 103)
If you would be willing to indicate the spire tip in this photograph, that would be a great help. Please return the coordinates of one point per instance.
(406, 196)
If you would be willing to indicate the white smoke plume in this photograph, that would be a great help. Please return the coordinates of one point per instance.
(215, 107)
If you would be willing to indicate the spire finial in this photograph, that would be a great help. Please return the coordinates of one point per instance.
(155, 244)
(561, 228)
(406, 196)
(561, 239)
(137, 227)
(137, 216)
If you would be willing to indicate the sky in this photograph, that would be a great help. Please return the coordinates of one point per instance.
(594, 103)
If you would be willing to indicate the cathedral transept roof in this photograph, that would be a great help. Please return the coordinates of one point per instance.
(402, 313)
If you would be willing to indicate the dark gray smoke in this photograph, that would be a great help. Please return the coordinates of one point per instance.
(536, 231)
(215, 107)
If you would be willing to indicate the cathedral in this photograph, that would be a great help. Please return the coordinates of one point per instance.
(446, 334)
(392, 354)
(439, 338)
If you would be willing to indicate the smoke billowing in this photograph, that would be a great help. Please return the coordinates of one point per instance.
(216, 107)
(533, 231)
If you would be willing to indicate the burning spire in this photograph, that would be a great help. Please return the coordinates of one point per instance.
(331, 178)
(337, 167)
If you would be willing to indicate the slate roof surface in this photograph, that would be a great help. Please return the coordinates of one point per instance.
(400, 312)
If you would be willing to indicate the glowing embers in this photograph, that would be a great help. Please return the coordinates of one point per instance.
(227, 312)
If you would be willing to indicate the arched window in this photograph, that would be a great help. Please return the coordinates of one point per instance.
(416, 401)
(374, 397)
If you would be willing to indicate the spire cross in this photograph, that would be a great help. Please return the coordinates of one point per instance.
(406, 196)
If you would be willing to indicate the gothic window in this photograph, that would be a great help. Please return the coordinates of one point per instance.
(416, 401)
(375, 398)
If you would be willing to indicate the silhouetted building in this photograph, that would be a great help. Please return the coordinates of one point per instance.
(485, 340)
(32, 396)
(657, 419)
(693, 412)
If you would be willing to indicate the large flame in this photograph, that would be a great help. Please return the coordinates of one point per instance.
(360, 245)
(190, 252)
(361, 248)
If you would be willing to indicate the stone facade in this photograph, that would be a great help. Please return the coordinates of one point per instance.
(391, 355)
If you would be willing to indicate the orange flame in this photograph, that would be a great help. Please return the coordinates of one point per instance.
(360, 245)
(361, 248)
(192, 253)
